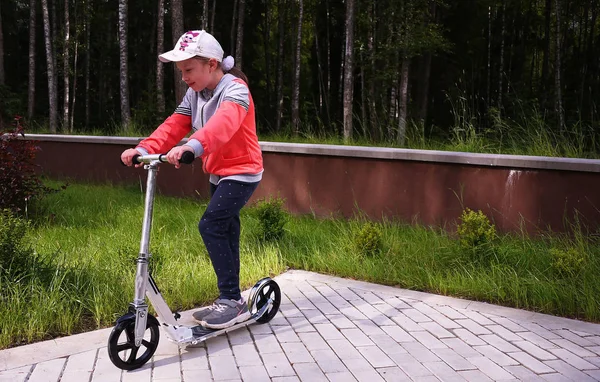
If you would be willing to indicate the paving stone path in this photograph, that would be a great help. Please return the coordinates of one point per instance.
(339, 330)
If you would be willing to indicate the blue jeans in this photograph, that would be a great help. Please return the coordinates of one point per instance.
(220, 230)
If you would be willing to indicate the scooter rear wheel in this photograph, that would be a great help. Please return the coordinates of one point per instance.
(121, 344)
(263, 291)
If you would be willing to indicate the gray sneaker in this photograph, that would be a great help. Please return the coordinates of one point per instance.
(200, 314)
(226, 313)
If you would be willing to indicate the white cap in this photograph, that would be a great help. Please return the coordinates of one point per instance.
(194, 43)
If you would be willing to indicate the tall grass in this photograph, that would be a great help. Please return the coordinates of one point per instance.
(87, 238)
(528, 132)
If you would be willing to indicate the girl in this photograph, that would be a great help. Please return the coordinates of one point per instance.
(218, 108)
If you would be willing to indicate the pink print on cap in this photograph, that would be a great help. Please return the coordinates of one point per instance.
(187, 39)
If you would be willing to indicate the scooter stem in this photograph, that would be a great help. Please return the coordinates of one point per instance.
(139, 305)
(141, 278)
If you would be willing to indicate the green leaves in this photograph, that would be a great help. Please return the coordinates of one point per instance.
(272, 218)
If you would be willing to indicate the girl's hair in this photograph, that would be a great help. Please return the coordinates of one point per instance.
(237, 72)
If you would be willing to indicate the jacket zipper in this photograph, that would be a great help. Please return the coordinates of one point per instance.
(202, 116)
(202, 126)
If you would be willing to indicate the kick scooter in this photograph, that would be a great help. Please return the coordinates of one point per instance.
(134, 338)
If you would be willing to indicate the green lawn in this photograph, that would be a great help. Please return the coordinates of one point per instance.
(85, 240)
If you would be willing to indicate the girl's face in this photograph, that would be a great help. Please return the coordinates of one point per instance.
(198, 74)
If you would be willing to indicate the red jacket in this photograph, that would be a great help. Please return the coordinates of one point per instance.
(228, 137)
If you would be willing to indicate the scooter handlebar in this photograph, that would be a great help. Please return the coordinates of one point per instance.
(186, 158)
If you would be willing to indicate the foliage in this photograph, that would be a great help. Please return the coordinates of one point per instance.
(475, 229)
(568, 262)
(368, 241)
(88, 281)
(15, 251)
(482, 74)
(273, 218)
(19, 181)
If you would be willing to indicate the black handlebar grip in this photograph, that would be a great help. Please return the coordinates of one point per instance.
(187, 157)
(133, 160)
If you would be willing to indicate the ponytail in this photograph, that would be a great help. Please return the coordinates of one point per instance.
(228, 66)
(239, 74)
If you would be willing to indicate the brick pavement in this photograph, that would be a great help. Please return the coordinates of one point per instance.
(333, 329)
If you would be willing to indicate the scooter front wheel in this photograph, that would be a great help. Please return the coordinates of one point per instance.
(121, 344)
(266, 290)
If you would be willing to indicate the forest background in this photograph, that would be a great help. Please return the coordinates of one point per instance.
(507, 76)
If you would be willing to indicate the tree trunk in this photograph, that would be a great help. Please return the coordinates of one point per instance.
(582, 48)
(363, 94)
(363, 98)
(424, 93)
(123, 71)
(280, 61)
(489, 58)
(2, 75)
(348, 71)
(232, 32)
(340, 90)
(31, 86)
(297, 62)
(328, 64)
(532, 69)
(74, 89)
(53, 104)
(557, 80)
(211, 26)
(423, 102)
(403, 101)
(510, 55)
(501, 69)
(393, 100)
(393, 106)
(267, 43)
(322, 100)
(392, 111)
(371, 99)
(88, 28)
(240, 34)
(176, 32)
(66, 69)
(591, 60)
(53, 36)
(160, 46)
(204, 15)
(546, 61)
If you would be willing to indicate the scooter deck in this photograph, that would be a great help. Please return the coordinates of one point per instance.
(201, 333)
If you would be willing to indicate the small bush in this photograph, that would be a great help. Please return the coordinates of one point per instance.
(567, 263)
(475, 229)
(15, 253)
(273, 218)
(18, 179)
(369, 239)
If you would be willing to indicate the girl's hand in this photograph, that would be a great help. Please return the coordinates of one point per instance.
(174, 155)
(127, 157)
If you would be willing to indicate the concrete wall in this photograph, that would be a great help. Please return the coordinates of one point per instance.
(431, 187)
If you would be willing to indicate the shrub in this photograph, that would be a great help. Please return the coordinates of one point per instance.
(15, 253)
(567, 263)
(272, 218)
(369, 239)
(475, 229)
(18, 179)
